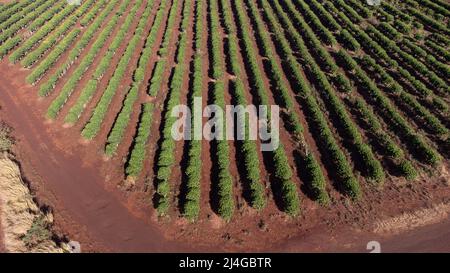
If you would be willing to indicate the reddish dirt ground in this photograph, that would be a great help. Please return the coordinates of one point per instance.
(73, 178)
(431, 238)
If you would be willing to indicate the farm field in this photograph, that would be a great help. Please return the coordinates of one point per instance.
(364, 121)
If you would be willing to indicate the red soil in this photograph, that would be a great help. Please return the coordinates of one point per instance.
(72, 177)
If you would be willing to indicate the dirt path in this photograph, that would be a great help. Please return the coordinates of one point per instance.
(430, 238)
(76, 192)
(434, 238)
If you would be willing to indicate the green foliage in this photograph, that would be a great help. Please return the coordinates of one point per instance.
(93, 126)
(407, 170)
(166, 158)
(38, 232)
(335, 106)
(361, 9)
(46, 29)
(410, 101)
(116, 134)
(137, 156)
(350, 12)
(348, 41)
(402, 27)
(389, 31)
(324, 34)
(14, 8)
(88, 17)
(21, 19)
(9, 45)
(416, 144)
(323, 14)
(249, 148)
(316, 180)
(47, 87)
(191, 206)
(54, 37)
(344, 174)
(418, 66)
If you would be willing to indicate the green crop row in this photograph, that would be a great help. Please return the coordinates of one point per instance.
(324, 34)
(51, 40)
(380, 54)
(249, 53)
(9, 45)
(116, 134)
(166, 158)
(348, 40)
(88, 17)
(416, 143)
(351, 13)
(52, 57)
(383, 16)
(157, 77)
(389, 31)
(8, 10)
(226, 204)
(216, 43)
(22, 18)
(438, 50)
(391, 149)
(137, 156)
(224, 189)
(323, 14)
(411, 103)
(288, 189)
(46, 29)
(191, 205)
(432, 62)
(440, 39)
(402, 27)
(120, 124)
(18, 13)
(276, 74)
(418, 66)
(315, 178)
(93, 126)
(47, 87)
(400, 15)
(429, 22)
(249, 148)
(324, 58)
(441, 3)
(388, 62)
(360, 8)
(327, 142)
(348, 130)
(415, 50)
(46, 16)
(86, 62)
